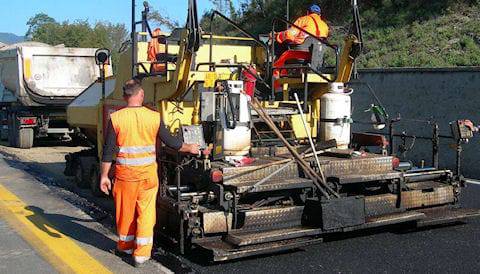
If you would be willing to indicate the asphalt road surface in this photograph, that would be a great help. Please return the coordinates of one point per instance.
(453, 248)
(17, 256)
(47, 229)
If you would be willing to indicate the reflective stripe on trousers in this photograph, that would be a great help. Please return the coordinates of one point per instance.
(126, 243)
(144, 241)
(126, 238)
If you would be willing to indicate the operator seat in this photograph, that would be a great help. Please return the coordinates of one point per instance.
(310, 52)
(316, 49)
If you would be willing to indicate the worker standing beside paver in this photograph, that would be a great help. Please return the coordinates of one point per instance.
(133, 131)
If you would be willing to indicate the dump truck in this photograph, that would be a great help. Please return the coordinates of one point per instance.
(37, 82)
(285, 170)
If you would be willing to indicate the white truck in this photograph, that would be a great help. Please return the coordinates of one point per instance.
(37, 82)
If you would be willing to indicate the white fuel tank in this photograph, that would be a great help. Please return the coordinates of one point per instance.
(236, 141)
(335, 115)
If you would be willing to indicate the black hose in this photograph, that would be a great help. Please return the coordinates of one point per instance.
(232, 125)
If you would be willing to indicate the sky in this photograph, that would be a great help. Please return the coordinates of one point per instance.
(15, 13)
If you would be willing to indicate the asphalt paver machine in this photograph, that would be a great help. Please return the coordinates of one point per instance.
(284, 168)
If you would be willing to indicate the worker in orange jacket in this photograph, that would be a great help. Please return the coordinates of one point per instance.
(155, 47)
(132, 134)
(312, 23)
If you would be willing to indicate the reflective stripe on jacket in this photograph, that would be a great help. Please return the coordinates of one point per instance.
(136, 129)
(312, 23)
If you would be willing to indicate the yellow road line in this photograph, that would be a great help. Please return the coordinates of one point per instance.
(59, 250)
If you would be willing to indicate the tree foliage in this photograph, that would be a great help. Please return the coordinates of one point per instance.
(162, 19)
(80, 33)
(37, 21)
(397, 33)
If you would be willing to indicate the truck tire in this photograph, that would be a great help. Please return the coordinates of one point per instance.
(11, 139)
(82, 172)
(4, 129)
(25, 138)
(69, 165)
(4, 134)
(95, 182)
(11, 126)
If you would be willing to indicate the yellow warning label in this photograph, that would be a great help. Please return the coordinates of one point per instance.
(27, 72)
(210, 78)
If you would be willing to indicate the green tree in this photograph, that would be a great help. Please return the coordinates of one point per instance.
(224, 6)
(397, 33)
(219, 26)
(161, 19)
(79, 34)
(36, 21)
(114, 35)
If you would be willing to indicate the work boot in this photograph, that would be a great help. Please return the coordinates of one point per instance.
(121, 253)
(140, 261)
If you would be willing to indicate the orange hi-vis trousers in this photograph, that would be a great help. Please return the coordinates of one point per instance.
(135, 215)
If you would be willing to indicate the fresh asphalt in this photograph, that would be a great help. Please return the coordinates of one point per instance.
(454, 248)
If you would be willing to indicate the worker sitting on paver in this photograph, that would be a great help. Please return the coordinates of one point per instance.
(296, 38)
(133, 131)
(295, 45)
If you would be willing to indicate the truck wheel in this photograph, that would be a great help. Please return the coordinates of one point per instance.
(4, 134)
(4, 129)
(69, 165)
(3, 118)
(95, 182)
(11, 126)
(25, 138)
(82, 173)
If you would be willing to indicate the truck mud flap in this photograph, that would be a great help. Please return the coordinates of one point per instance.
(223, 251)
(446, 215)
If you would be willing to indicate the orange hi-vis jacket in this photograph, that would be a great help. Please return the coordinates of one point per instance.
(136, 129)
(155, 47)
(312, 23)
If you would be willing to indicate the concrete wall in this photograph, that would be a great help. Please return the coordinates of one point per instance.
(445, 95)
